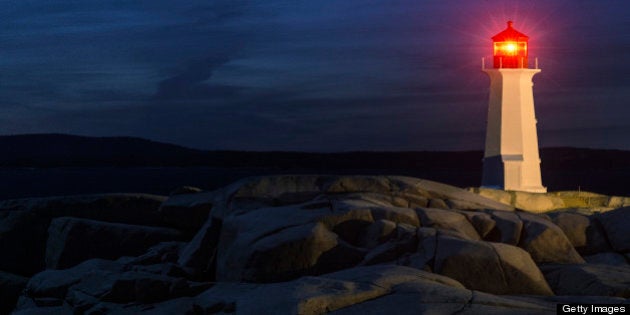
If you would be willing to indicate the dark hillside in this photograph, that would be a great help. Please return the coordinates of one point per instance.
(52, 164)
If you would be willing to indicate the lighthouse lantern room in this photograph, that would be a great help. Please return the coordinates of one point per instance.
(510, 48)
(511, 159)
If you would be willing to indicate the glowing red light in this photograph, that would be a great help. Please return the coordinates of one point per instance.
(510, 48)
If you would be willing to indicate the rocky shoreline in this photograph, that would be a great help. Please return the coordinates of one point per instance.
(312, 244)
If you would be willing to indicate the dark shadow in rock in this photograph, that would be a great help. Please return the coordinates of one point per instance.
(351, 231)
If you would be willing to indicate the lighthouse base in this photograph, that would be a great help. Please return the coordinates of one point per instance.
(511, 172)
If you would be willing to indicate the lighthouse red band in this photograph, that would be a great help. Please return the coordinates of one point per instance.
(510, 48)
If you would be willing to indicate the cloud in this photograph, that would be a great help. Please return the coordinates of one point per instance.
(293, 75)
(192, 83)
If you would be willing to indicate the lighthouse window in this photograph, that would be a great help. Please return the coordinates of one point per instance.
(510, 48)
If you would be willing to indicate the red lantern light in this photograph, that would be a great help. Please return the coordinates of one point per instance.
(510, 48)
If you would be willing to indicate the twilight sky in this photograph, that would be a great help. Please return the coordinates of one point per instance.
(325, 75)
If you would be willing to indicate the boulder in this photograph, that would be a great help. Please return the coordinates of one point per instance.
(371, 198)
(536, 202)
(388, 276)
(609, 258)
(101, 282)
(261, 192)
(587, 202)
(302, 230)
(402, 242)
(483, 303)
(324, 222)
(55, 283)
(583, 231)
(352, 184)
(128, 287)
(165, 269)
(618, 202)
(290, 253)
(185, 190)
(200, 253)
(283, 190)
(507, 229)
(447, 220)
(293, 236)
(455, 197)
(341, 244)
(184, 305)
(24, 222)
(327, 293)
(417, 292)
(56, 310)
(489, 267)
(424, 258)
(395, 214)
(73, 240)
(413, 199)
(437, 203)
(167, 252)
(307, 295)
(573, 225)
(11, 287)
(430, 300)
(187, 212)
(23, 236)
(530, 202)
(377, 233)
(499, 195)
(545, 241)
(588, 279)
(615, 224)
(521, 274)
(482, 222)
(413, 297)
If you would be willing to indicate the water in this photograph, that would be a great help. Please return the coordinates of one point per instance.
(42, 182)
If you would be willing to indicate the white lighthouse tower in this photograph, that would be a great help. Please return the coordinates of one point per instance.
(511, 160)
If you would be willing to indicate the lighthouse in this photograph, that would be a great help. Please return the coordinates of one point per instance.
(511, 160)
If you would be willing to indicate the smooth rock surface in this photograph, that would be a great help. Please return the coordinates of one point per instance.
(260, 192)
(609, 258)
(616, 225)
(584, 231)
(187, 212)
(330, 292)
(320, 244)
(11, 287)
(73, 240)
(489, 267)
(24, 222)
(102, 282)
(200, 253)
(545, 241)
(508, 228)
(447, 220)
(588, 279)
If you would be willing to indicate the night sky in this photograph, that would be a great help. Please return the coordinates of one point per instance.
(325, 75)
